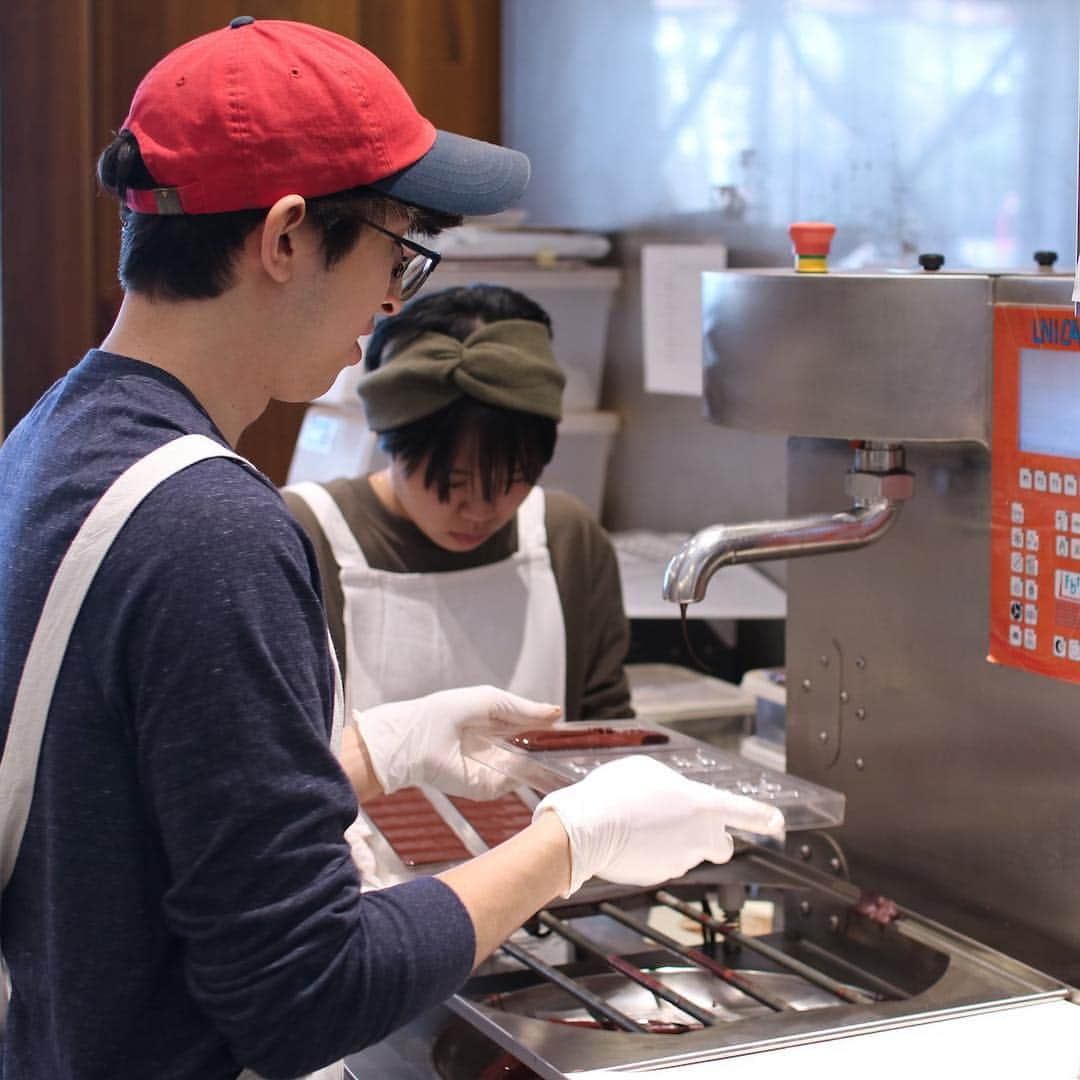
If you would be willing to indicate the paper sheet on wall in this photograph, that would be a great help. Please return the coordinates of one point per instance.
(671, 313)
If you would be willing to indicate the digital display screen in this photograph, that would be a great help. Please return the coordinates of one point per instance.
(1050, 402)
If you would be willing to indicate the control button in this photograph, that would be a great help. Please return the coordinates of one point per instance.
(1016, 635)
(1074, 649)
(1075, 548)
(1055, 483)
(1016, 560)
(1070, 483)
(1031, 539)
(1016, 510)
(1016, 586)
(1075, 523)
(1061, 546)
(1031, 589)
(1040, 480)
(1029, 639)
(1025, 479)
(1059, 646)
(1016, 611)
(1031, 566)
(1061, 520)
(1017, 536)
(1031, 614)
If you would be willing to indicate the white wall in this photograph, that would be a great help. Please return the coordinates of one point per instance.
(914, 125)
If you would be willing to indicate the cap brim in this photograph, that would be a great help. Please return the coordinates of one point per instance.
(459, 175)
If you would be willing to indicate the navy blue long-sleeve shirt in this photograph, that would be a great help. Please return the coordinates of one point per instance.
(184, 903)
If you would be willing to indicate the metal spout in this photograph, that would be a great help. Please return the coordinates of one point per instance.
(879, 486)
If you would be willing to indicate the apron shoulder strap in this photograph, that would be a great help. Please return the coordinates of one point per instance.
(531, 526)
(332, 521)
(33, 697)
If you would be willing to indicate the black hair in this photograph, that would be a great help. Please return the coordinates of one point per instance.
(192, 256)
(509, 444)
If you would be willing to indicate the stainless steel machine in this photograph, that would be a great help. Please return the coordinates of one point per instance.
(960, 773)
(933, 657)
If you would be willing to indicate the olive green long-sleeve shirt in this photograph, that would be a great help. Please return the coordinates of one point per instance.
(582, 558)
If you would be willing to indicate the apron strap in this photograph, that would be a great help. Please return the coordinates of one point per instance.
(18, 767)
(531, 526)
(339, 536)
(72, 581)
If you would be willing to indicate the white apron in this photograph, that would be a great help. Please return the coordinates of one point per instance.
(412, 634)
(18, 765)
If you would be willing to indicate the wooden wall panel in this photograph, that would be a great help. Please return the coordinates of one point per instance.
(78, 62)
(46, 195)
(448, 55)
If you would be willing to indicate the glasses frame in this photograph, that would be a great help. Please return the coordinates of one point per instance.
(432, 259)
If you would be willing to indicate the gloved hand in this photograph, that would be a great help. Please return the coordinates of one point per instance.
(635, 821)
(419, 741)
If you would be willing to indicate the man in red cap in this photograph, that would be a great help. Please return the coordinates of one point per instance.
(176, 780)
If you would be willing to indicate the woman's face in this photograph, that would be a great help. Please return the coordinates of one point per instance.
(467, 518)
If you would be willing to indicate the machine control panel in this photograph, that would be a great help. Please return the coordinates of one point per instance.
(1035, 503)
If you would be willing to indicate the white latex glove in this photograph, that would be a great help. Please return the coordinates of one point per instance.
(419, 741)
(634, 821)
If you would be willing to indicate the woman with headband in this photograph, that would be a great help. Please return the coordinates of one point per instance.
(449, 566)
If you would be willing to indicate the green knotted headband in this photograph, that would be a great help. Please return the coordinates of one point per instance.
(508, 363)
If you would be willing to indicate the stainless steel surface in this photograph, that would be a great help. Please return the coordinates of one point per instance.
(641, 980)
(594, 1007)
(967, 806)
(878, 485)
(961, 776)
(711, 994)
(898, 357)
(834, 987)
(755, 989)
(687, 576)
(884, 356)
(1033, 288)
(933, 973)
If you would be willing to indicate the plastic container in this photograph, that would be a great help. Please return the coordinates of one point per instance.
(699, 705)
(578, 297)
(333, 441)
(581, 458)
(769, 687)
(805, 805)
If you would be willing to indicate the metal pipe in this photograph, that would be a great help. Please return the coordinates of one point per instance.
(696, 956)
(883, 986)
(878, 485)
(596, 1006)
(617, 963)
(781, 959)
(687, 576)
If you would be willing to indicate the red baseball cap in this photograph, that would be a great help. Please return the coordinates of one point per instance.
(239, 117)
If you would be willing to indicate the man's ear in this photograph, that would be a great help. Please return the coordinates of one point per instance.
(277, 246)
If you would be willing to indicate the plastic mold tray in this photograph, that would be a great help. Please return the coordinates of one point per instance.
(805, 805)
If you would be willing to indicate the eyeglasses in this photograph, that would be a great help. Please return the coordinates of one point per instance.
(416, 266)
